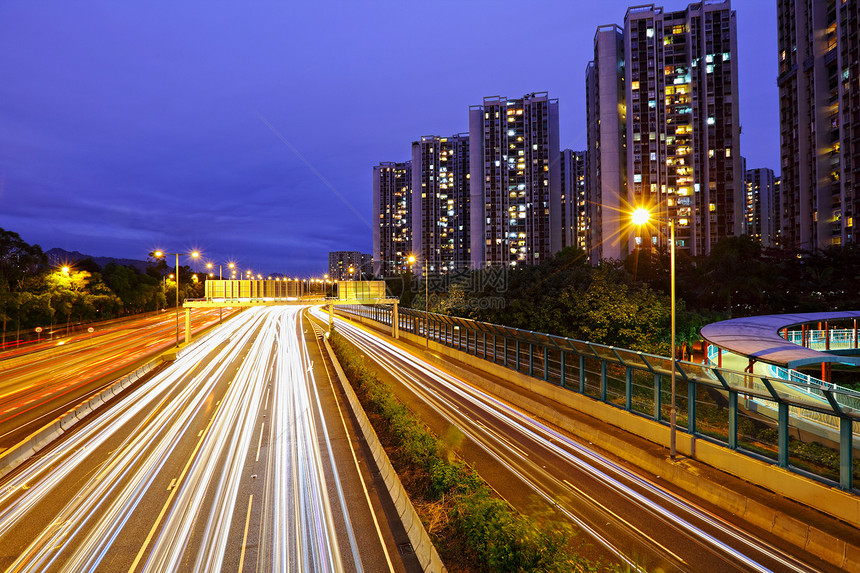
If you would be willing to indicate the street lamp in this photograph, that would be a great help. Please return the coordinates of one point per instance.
(411, 260)
(641, 216)
(231, 266)
(158, 255)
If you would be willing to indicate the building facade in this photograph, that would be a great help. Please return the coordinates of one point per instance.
(818, 50)
(392, 203)
(606, 116)
(340, 263)
(573, 212)
(761, 214)
(440, 204)
(683, 130)
(515, 183)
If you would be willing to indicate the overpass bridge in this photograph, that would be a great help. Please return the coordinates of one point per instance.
(247, 293)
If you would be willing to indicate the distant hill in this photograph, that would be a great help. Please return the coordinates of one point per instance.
(57, 256)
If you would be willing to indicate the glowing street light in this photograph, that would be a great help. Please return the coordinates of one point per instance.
(231, 266)
(158, 255)
(411, 259)
(640, 217)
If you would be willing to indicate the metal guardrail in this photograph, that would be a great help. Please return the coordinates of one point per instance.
(713, 403)
(839, 339)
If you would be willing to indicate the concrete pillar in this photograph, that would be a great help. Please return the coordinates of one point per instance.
(187, 326)
(395, 322)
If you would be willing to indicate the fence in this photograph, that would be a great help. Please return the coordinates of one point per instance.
(728, 407)
(830, 339)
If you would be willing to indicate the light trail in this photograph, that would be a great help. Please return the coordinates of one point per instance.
(496, 427)
(41, 385)
(185, 448)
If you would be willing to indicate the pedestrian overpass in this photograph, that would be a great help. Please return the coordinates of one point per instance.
(246, 293)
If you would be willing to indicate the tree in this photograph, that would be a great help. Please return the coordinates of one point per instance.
(18, 259)
(9, 302)
(735, 274)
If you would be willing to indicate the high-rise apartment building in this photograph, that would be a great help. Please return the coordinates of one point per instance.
(606, 234)
(819, 113)
(515, 182)
(440, 203)
(777, 212)
(683, 131)
(663, 128)
(573, 212)
(340, 263)
(392, 203)
(760, 212)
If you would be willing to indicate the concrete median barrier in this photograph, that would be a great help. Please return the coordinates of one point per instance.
(35, 442)
(423, 547)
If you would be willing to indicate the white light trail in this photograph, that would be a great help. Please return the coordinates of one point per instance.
(399, 363)
(254, 365)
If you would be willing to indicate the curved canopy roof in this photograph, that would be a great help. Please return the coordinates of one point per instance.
(758, 337)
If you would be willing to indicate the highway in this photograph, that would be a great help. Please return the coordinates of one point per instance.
(43, 381)
(628, 517)
(235, 457)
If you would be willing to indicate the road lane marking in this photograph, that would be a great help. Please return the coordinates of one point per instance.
(260, 443)
(167, 503)
(245, 535)
(355, 460)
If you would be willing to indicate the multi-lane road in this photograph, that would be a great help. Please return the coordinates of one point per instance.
(631, 517)
(41, 381)
(236, 457)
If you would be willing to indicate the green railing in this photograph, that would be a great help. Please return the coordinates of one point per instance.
(750, 413)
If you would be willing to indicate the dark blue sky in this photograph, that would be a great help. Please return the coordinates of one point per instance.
(249, 130)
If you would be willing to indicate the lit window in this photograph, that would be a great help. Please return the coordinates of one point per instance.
(711, 121)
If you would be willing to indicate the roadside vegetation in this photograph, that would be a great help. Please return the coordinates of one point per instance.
(472, 528)
(36, 294)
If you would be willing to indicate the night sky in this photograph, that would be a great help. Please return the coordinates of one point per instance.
(249, 130)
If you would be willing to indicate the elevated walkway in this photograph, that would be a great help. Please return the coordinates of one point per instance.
(767, 339)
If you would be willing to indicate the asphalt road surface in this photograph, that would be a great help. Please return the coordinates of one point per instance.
(236, 457)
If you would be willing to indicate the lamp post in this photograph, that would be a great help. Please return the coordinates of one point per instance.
(411, 260)
(193, 254)
(231, 266)
(640, 217)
